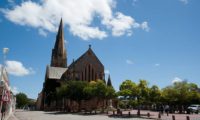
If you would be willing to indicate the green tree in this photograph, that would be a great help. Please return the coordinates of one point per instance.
(110, 93)
(98, 89)
(89, 90)
(128, 89)
(21, 100)
(181, 94)
(62, 91)
(75, 91)
(154, 94)
(142, 93)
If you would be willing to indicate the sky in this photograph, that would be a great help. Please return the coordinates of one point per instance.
(155, 40)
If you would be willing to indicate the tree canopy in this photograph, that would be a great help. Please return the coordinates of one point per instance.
(21, 100)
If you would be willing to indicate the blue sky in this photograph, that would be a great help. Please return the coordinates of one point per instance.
(155, 40)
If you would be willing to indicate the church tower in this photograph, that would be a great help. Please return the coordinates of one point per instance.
(59, 56)
(109, 83)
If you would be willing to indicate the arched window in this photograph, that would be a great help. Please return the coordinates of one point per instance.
(89, 73)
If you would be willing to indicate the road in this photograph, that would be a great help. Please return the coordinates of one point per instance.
(40, 115)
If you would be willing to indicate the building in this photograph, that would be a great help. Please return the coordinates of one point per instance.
(86, 68)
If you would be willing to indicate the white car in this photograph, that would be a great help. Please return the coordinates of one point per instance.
(194, 108)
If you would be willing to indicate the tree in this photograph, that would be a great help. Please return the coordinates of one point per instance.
(22, 100)
(128, 89)
(75, 91)
(89, 90)
(110, 93)
(62, 91)
(154, 94)
(181, 94)
(98, 89)
(142, 93)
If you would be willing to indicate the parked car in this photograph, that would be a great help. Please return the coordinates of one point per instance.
(194, 108)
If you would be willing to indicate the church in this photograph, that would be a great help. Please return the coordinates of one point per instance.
(86, 68)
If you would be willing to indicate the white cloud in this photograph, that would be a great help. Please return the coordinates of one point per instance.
(157, 64)
(145, 26)
(14, 90)
(107, 72)
(130, 62)
(17, 68)
(42, 32)
(120, 24)
(177, 79)
(77, 14)
(184, 1)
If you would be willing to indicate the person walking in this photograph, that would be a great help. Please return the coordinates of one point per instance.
(3, 110)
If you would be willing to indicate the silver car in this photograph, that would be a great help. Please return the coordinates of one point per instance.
(194, 108)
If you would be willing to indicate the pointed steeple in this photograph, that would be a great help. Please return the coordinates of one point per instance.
(59, 57)
(109, 83)
(60, 38)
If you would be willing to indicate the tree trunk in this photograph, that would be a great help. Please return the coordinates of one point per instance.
(138, 113)
(79, 105)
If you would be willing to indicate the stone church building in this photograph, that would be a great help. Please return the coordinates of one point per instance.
(86, 68)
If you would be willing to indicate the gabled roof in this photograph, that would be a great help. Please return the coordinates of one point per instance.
(87, 52)
(55, 72)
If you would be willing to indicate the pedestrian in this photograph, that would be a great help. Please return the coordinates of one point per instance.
(167, 109)
(161, 109)
(3, 109)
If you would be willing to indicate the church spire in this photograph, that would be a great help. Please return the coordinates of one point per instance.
(59, 57)
(60, 38)
(109, 83)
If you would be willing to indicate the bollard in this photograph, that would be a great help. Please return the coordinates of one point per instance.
(148, 115)
(138, 113)
(173, 117)
(129, 113)
(159, 116)
(187, 117)
(113, 112)
(167, 113)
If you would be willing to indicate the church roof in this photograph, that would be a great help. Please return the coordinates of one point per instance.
(89, 51)
(55, 72)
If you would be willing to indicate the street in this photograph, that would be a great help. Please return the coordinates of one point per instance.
(40, 115)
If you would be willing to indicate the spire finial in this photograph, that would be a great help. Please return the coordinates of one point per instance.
(90, 45)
